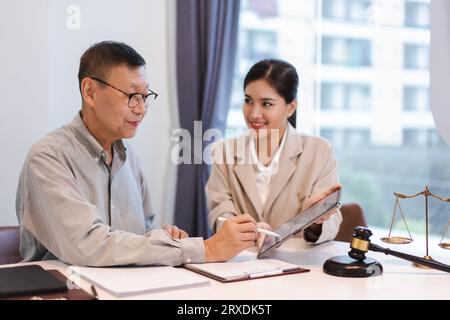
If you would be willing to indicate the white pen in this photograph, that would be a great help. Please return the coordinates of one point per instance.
(265, 273)
(267, 232)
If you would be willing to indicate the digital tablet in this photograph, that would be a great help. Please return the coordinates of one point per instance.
(300, 222)
(28, 280)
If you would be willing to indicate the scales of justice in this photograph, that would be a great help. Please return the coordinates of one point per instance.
(404, 240)
(356, 265)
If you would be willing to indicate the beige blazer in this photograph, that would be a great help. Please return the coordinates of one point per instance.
(307, 166)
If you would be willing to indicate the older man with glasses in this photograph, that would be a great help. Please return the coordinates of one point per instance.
(82, 196)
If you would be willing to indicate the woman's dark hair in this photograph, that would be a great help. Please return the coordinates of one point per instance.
(280, 75)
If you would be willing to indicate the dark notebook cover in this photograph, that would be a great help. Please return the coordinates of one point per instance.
(28, 280)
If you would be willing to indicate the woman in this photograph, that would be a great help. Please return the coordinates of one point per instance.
(273, 172)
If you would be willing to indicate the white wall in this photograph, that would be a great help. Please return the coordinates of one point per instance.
(440, 66)
(39, 90)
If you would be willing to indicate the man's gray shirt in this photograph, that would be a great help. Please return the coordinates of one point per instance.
(73, 206)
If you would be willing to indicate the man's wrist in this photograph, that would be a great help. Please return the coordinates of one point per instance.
(208, 251)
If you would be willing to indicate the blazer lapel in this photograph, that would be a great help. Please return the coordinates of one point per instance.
(245, 172)
(292, 148)
(247, 178)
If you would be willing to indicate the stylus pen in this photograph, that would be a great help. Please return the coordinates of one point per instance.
(267, 232)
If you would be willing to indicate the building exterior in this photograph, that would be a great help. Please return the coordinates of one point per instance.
(364, 86)
(364, 66)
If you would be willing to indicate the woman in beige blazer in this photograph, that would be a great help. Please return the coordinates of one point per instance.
(272, 172)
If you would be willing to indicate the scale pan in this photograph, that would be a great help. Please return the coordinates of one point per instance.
(445, 245)
(396, 240)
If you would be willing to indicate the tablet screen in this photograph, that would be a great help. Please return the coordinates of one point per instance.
(300, 221)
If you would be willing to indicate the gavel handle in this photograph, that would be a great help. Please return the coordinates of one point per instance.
(429, 263)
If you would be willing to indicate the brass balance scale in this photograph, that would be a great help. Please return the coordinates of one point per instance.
(405, 240)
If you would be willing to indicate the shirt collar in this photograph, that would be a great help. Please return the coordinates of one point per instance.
(92, 145)
(273, 165)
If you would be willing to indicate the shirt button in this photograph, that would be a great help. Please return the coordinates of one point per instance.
(188, 260)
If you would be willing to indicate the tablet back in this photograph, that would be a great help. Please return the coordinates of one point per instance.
(300, 222)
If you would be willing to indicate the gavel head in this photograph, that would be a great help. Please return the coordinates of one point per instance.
(360, 243)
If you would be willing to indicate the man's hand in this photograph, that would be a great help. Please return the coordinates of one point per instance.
(235, 235)
(175, 233)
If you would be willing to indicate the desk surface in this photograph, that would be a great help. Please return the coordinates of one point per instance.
(399, 281)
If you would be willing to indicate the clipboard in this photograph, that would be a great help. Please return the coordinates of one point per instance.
(300, 222)
(245, 267)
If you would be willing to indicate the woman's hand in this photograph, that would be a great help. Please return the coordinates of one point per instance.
(325, 217)
(316, 198)
(264, 225)
(261, 236)
(319, 196)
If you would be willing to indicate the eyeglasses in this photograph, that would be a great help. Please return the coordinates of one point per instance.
(134, 99)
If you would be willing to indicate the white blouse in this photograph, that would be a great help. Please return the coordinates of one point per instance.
(264, 174)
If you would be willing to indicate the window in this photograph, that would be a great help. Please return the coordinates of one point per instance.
(341, 138)
(261, 44)
(334, 9)
(333, 96)
(416, 99)
(435, 140)
(417, 14)
(346, 52)
(421, 138)
(364, 82)
(417, 57)
(357, 10)
(350, 10)
(345, 97)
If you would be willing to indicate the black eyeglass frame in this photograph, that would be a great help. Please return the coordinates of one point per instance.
(130, 95)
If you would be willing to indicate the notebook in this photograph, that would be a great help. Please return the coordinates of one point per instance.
(128, 281)
(245, 266)
(28, 280)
